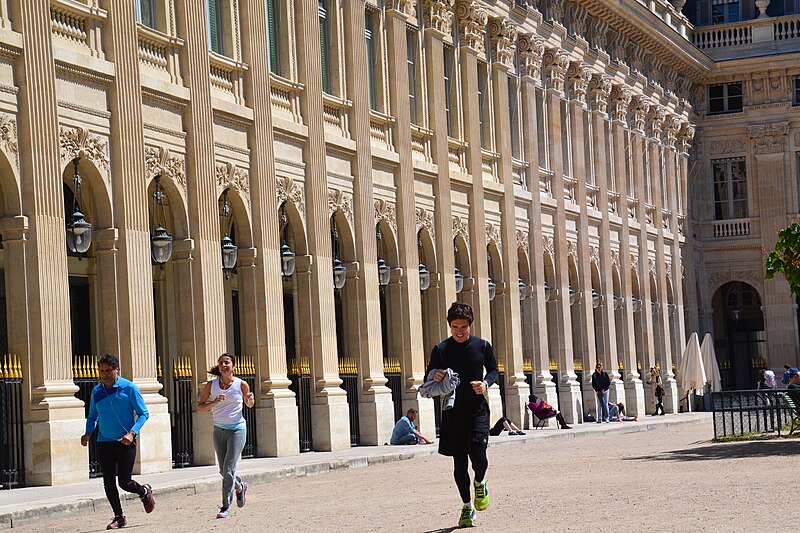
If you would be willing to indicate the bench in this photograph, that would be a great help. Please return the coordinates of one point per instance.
(795, 411)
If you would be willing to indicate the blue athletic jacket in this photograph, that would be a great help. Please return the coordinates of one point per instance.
(114, 410)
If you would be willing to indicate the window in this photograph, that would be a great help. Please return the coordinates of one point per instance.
(449, 73)
(146, 12)
(796, 91)
(513, 115)
(723, 11)
(274, 27)
(215, 29)
(324, 41)
(725, 98)
(412, 43)
(541, 128)
(730, 188)
(482, 107)
(372, 58)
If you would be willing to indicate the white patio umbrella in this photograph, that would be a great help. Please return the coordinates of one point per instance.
(710, 363)
(691, 374)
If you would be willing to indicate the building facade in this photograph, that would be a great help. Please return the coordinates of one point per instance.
(329, 176)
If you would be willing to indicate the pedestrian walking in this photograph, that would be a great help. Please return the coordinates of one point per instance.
(464, 429)
(225, 397)
(601, 383)
(117, 407)
(656, 391)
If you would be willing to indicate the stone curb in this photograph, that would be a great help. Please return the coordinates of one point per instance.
(39, 510)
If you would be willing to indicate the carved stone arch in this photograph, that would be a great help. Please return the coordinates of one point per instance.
(78, 142)
(615, 258)
(717, 279)
(340, 201)
(460, 227)
(493, 235)
(522, 240)
(572, 251)
(8, 139)
(229, 176)
(158, 160)
(425, 220)
(288, 190)
(386, 212)
(547, 245)
(594, 256)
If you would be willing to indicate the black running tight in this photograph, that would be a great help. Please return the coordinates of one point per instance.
(116, 461)
(476, 453)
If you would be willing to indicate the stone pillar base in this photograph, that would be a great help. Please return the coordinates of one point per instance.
(330, 422)
(616, 393)
(495, 403)
(154, 449)
(376, 413)
(277, 424)
(671, 396)
(203, 435)
(634, 398)
(571, 402)
(53, 451)
(589, 400)
(516, 400)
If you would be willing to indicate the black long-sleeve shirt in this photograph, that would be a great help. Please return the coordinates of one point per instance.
(469, 359)
(600, 381)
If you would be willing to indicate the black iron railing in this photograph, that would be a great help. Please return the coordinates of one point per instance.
(300, 376)
(86, 376)
(246, 371)
(348, 373)
(391, 369)
(747, 412)
(12, 463)
(181, 415)
(501, 382)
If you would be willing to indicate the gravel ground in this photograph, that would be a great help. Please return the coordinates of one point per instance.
(667, 479)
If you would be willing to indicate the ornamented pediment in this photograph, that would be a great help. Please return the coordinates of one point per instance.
(8, 137)
(385, 212)
(78, 142)
(160, 161)
(289, 191)
(342, 202)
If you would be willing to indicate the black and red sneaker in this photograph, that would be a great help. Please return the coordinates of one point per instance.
(147, 500)
(117, 522)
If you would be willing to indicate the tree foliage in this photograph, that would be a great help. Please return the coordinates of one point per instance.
(785, 258)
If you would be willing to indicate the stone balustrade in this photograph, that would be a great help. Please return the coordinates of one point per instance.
(380, 130)
(421, 146)
(285, 95)
(78, 25)
(489, 161)
(227, 77)
(756, 36)
(336, 114)
(738, 227)
(160, 52)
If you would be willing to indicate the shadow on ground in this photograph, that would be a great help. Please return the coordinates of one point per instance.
(727, 450)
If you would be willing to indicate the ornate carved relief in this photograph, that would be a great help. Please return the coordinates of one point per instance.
(797, 139)
(405, 7)
(8, 137)
(769, 138)
(522, 240)
(639, 109)
(159, 160)
(425, 220)
(726, 146)
(651, 266)
(718, 279)
(594, 255)
(78, 142)
(547, 245)
(493, 235)
(531, 52)
(439, 15)
(460, 227)
(289, 191)
(685, 136)
(615, 259)
(672, 127)
(503, 36)
(657, 117)
(340, 201)
(556, 63)
(599, 34)
(621, 96)
(229, 176)
(578, 19)
(385, 212)
(579, 76)
(634, 56)
(572, 251)
(600, 87)
(472, 18)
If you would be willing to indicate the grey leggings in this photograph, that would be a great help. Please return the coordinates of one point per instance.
(229, 443)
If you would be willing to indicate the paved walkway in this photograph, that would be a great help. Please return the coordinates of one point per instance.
(26, 505)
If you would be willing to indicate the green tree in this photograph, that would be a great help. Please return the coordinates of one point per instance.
(785, 258)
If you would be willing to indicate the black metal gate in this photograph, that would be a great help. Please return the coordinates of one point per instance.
(86, 376)
(181, 416)
(501, 382)
(246, 371)
(12, 463)
(391, 369)
(348, 373)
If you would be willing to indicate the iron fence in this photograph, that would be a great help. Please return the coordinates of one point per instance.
(181, 415)
(747, 412)
(300, 376)
(391, 369)
(348, 373)
(86, 376)
(246, 371)
(12, 463)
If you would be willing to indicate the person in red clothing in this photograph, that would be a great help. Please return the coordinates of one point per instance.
(543, 410)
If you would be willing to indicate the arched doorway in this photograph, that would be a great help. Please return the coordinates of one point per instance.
(551, 297)
(390, 300)
(739, 336)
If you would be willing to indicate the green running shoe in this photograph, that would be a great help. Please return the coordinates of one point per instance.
(467, 516)
(481, 496)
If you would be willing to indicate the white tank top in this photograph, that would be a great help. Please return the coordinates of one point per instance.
(227, 414)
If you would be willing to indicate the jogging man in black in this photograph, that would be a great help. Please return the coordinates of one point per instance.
(464, 430)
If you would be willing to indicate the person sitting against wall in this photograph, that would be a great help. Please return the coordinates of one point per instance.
(405, 432)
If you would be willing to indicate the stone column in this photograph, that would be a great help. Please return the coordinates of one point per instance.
(578, 75)
(503, 36)
(570, 400)
(276, 410)
(780, 319)
(55, 417)
(634, 392)
(600, 89)
(409, 332)
(376, 409)
(203, 211)
(531, 51)
(685, 135)
(329, 411)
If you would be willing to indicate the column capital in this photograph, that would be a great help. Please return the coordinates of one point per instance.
(14, 228)
(621, 96)
(685, 136)
(531, 52)
(472, 19)
(672, 128)
(556, 63)
(503, 37)
(600, 87)
(578, 75)
(182, 249)
(246, 257)
(106, 239)
(403, 7)
(657, 117)
(769, 138)
(639, 107)
(439, 15)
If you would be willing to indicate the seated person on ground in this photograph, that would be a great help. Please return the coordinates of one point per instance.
(405, 432)
(505, 424)
(543, 410)
(617, 413)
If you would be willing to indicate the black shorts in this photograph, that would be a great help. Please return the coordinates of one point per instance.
(461, 426)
